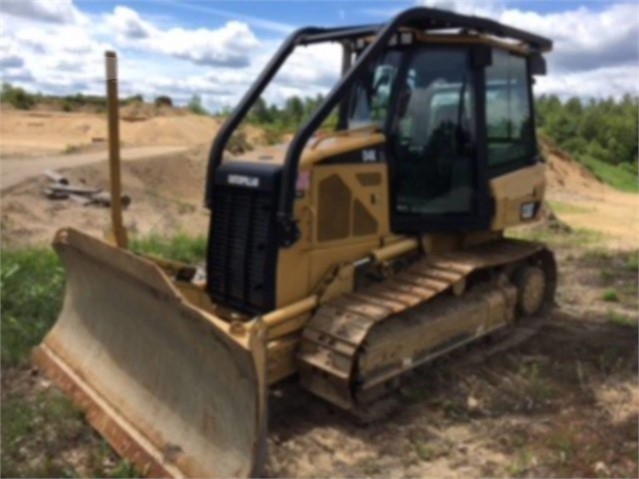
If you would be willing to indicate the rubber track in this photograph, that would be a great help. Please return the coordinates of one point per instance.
(335, 334)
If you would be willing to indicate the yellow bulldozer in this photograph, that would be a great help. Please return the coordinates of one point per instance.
(344, 259)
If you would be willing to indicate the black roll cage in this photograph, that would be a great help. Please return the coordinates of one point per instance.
(421, 18)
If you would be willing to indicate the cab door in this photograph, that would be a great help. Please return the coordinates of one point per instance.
(437, 144)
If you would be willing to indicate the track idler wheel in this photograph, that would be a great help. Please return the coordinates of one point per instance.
(531, 289)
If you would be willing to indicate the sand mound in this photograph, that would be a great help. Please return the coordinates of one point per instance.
(565, 174)
(40, 132)
(166, 192)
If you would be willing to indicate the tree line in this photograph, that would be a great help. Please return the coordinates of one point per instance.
(605, 129)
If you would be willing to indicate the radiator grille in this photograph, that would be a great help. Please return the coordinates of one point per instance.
(242, 250)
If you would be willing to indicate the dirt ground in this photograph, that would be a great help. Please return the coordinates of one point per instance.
(563, 403)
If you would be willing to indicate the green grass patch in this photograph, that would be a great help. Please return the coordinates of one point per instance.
(615, 175)
(632, 262)
(610, 296)
(576, 237)
(31, 287)
(181, 247)
(619, 319)
(559, 207)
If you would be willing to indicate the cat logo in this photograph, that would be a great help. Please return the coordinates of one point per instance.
(369, 156)
(241, 180)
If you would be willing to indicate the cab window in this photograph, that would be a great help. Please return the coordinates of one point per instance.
(509, 126)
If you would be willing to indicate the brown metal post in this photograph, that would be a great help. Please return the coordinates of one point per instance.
(119, 232)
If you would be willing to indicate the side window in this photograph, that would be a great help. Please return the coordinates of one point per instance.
(509, 127)
(371, 95)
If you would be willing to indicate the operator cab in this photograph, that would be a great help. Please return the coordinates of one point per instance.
(436, 103)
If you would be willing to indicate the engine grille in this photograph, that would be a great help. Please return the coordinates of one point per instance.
(242, 251)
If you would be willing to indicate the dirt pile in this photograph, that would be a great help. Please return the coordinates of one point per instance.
(583, 203)
(565, 174)
(34, 133)
(166, 193)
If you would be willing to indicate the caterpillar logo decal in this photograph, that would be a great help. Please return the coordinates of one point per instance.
(242, 180)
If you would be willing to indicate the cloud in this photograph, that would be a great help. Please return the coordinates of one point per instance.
(54, 11)
(127, 23)
(602, 82)
(230, 45)
(16, 75)
(270, 25)
(483, 8)
(63, 53)
(10, 61)
(584, 39)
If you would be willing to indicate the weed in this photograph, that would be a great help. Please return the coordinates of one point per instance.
(536, 388)
(123, 470)
(597, 255)
(455, 411)
(565, 448)
(370, 468)
(70, 149)
(632, 262)
(619, 319)
(523, 461)
(606, 275)
(610, 296)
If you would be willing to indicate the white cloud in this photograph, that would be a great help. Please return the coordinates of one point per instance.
(584, 39)
(602, 82)
(481, 8)
(63, 53)
(595, 51)
(270, 25)
(230, 45)
(54, 11)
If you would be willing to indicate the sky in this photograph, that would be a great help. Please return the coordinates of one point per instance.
(216, 49)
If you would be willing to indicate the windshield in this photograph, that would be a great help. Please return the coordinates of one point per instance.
(371, 94)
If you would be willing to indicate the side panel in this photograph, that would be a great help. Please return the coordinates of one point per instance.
(518, 196)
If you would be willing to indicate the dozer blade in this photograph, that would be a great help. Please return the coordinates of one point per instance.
(162, 380)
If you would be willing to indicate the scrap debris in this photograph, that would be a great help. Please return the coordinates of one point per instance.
(59, 188)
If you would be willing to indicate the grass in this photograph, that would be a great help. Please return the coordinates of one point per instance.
(619, 319)
(577, 237)
(41, 434)
(616, 176)
(521, 464)
(610, 296)
(559, 207)
(70, 149)
(31, 287)
(180, 247)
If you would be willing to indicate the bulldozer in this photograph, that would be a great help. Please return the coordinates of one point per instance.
(342, 260)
